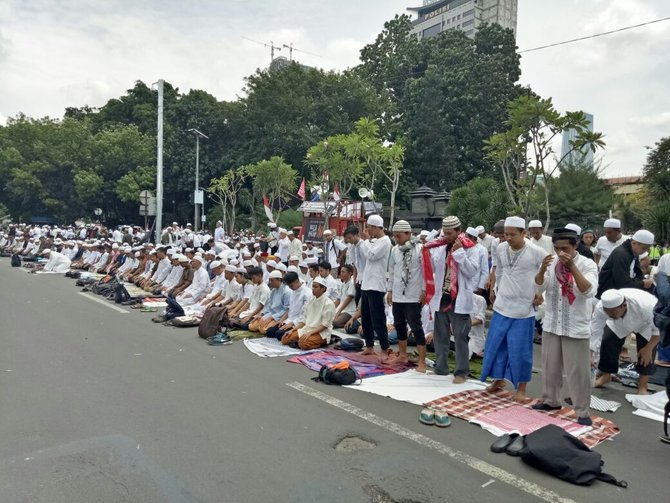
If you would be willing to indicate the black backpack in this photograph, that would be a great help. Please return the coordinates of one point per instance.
(553, 450)
(340, 373)
(15, 261)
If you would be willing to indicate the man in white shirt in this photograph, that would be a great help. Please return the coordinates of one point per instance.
(611, 239)
(483, 279)
(199, 286)
(259, 297)
(407, 291)
(485, 239)
(325, 271)
(508, 355)
(618, 314)
(299, 297)
(373, 286)
(283, 246)
(568, 281)
(346, 303)
(331, 248)
(295, 246)
(57, 261)
(315, 328)
(535, 229)
(355, 256)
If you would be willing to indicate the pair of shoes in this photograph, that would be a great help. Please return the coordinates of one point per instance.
(585, 421)
(431, 417)
(220, 339)
(545, 407)
(511, 443)
(219, 334)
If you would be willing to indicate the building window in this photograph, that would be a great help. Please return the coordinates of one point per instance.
(469, 33)
(469, 22)
(432, 31)
(468, 12)
(458, 17)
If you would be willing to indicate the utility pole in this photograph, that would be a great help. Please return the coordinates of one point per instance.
(159, 164)
(198, 198)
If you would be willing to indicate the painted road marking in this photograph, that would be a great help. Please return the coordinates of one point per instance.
(470, 461)
(104, 303)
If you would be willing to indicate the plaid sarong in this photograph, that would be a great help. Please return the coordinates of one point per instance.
(469, 405)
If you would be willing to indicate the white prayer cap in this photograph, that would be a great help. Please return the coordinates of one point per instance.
(376, 221)
(210, 252)
(188, 250)
(282, 230)
(517, 222)
(241, 270)
(281, 267)
(291, 268)
(329, 232)
(450, 222)
(175, 223)
(271, 263)
(181, 258)
(574, 227)
(235, 262)
(152, 252)
(199, 259)
(231, 268)
(294, 257)
(311, 260)
(472, 232)
(137, 254)
(272, 225)
(215, 264)
(320, 281)
(171, 251)
(424, 233)
(290, 233)
(644, 237)
(247, 263)
(535, 223)
(46, 252)
(402, 226)
(480, 229)
(303, 265)
(611, 299)
(275, 275)
(189, 225)
(644, 255)
(612, 223)
(257, 245)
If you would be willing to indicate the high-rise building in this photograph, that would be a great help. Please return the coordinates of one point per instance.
(578, 157)
(435, 16)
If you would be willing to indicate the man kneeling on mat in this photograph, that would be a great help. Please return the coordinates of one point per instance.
(314, 331)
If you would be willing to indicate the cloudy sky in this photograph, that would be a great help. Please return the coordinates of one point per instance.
(58, 53)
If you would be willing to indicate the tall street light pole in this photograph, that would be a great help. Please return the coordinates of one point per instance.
(197, 195)
(159, 164)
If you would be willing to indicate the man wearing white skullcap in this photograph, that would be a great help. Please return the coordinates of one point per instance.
(612, 238)
(57, 262)
(537, 237)
(508, 355)
(332, 248)
(622, 268)
(619, 314)
(199, 286)
(373, 287)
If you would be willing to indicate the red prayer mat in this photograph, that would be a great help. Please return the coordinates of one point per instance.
(471, 405)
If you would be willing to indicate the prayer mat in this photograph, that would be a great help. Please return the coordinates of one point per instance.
(522, 420)
(472, 405)
(414, 387)
(604, 405)
(240, 335)
(314, 361)
(373, 359)
(270, 348)
(475, 363)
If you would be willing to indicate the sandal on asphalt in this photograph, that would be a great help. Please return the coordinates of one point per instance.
(517, 445)
(442, 420)
(503, 442)
(427, 417)
(220, 340)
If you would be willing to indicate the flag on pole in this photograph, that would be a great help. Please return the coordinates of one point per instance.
(336, 192)
(301, 190)
(266, 207)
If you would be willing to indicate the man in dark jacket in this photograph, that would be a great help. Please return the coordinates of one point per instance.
(622, 268)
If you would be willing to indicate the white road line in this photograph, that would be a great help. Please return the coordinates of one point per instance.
(104, 303)
(472, 462)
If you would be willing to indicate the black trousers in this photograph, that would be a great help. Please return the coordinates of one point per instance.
(408, 313)
(275, 333)
(373, 318)
(610, 348)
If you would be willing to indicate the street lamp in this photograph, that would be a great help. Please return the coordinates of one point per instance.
(197, 194)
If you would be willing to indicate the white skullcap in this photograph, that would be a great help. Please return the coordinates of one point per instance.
(137, 254)
(231, 268)
(611, 299)
(472, 232)
(327, 231)
(644, 237)
(290, 233)
(644, 255)
(199, 259)
(535, 223)
(480, 229)
(574, 227)
(402, 226)
(292, 268)
(281, 267)
(241, 270)
(282, 230)
(46, 251)
(294, 257)
(612, 223)
(215, 264)
(311, 260)
(303, 265)
(271, 263)
(376, 221)
(451, 222)
(181, 258)
(320, 281)
(517, 222)
(424, 233)
(275, 275)
(247, 263)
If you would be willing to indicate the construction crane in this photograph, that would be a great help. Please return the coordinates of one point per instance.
(274, 48)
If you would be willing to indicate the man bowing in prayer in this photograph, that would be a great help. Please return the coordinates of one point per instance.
(508, 355)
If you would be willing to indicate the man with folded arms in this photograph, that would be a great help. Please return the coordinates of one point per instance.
(314, 331)
(568, 281)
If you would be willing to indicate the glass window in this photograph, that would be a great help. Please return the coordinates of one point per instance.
(469, 22)
(432, 31)
(468, 12)
(458, 17)
(469, 33)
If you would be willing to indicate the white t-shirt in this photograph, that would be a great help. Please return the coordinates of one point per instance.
(348, 289)
(604, 248)
(545, 243)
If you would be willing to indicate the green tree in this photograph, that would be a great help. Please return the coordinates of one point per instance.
(656, 216)
(480, 202)
(226, 191)
(276, 179)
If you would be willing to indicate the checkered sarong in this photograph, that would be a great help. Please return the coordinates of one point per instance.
(469, 405)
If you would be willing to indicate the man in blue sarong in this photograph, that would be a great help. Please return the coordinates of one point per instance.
(508, 355)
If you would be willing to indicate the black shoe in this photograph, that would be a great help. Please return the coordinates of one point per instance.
(515, 448)
(546, 407)
(503, 442)
(585, 421)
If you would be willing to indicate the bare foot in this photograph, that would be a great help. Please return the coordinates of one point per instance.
(642, 391)
(421, 367)
(602, 380)
(496, 385)
(367, 352)
(519, 396)
(459, 379)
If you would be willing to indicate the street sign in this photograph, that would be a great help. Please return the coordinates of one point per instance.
(98, 211)
(198, 196)
(148, 206)
(203, 218)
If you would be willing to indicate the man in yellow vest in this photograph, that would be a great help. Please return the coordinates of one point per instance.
(655, 253)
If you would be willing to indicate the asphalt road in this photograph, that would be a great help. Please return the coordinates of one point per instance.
(98, 405)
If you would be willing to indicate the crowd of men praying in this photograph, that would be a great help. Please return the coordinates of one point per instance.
(585, 294)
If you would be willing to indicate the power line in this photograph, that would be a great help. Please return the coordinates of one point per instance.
(596, 35)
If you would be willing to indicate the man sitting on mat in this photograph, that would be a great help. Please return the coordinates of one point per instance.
(260, 293)
(314, 331)
(276, 308)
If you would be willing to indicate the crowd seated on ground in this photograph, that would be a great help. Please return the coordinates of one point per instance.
(431, 289)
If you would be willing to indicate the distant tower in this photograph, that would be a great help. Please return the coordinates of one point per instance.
(582, 157)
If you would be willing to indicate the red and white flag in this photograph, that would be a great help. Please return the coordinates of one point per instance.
(336, 192)
(266, 207)
(301, 190)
